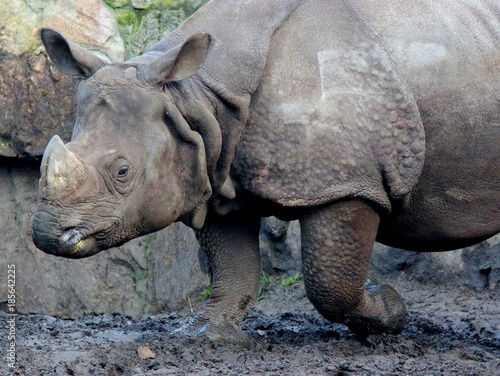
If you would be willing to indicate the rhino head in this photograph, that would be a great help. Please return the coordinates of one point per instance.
(133, 165)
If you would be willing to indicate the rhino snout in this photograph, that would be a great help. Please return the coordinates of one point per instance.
(72, 243)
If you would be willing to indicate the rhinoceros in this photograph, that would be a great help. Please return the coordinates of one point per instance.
(365, 120)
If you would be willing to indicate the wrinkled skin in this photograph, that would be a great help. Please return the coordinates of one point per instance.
(332, 113)
(118, 196)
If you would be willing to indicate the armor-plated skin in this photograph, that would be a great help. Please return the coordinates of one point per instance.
(365, 120)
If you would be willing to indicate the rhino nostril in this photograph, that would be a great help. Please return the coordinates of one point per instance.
(71, 237)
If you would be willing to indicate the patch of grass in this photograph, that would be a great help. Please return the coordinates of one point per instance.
(265, 281)
(292, 281)
(207, 293)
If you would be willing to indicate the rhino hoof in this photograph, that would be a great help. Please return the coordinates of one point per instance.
(384, 312)
(223, 333)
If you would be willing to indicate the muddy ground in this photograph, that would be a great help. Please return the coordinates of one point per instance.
(450, 331)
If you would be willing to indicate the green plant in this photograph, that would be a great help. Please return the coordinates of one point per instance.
(265, 281)
(207, 292)
(4, 141)
(292, 281)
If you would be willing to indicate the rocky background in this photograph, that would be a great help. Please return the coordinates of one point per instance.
(161, 271)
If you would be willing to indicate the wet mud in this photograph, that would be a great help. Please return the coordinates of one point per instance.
(450, 331)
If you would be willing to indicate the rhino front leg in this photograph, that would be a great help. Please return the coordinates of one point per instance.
(337, 243)
(231, 243)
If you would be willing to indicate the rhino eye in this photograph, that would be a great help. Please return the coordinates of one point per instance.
(122, 172)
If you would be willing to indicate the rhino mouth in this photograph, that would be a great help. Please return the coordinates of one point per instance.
(82, 242)
(78, 241)
(74, 244)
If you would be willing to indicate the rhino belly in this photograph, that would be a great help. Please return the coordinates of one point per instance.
(455, 204)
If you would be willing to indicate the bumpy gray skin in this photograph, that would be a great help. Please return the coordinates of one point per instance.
(365, 120)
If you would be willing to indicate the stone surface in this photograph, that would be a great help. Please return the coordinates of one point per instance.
(36, 102)
(280, 246)
(82, 21)
(477, 267)
(152, 274)
(89, 22)
(18, 23)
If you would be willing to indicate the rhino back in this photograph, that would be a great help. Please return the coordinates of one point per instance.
(344, 96)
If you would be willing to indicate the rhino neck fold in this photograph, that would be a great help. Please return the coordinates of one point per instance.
(231, 73)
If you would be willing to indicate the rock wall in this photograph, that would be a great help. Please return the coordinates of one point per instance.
(160, 271)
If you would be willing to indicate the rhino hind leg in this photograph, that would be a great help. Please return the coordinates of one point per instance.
(337, 243)
(231, 243)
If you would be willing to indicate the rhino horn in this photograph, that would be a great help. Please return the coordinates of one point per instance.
(62, 172)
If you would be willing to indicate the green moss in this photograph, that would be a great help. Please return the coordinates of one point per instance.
(149, 4)
(129, 22)
(117, 3)
(207, 292)
(142, 23)
(127, 17)
(171, 4)
(5, 141)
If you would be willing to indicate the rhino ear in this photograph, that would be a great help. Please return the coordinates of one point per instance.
(179, 62)
(69, 58)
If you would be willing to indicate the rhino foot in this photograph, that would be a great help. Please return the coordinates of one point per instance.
(383, 311)
(337, 244)
(221, 333)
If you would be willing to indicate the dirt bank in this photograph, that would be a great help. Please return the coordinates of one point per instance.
(450, 331)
